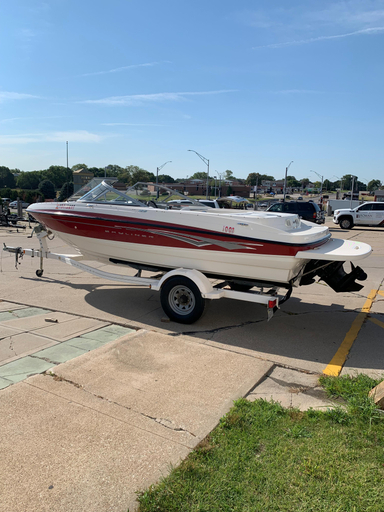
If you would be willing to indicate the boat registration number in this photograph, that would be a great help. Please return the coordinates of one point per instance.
(228, 229)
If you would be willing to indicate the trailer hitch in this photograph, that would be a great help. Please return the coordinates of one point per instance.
(17, 251)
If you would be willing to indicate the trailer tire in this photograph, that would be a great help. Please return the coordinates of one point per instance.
(346, 223)
(181, 300)
(39, 273)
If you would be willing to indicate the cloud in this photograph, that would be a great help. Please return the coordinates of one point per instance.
(366, 31)
(297, 91)
(130, 124)
(9, 96)
(144, 99)
(124, 68)
(12, 119)
(71, 136)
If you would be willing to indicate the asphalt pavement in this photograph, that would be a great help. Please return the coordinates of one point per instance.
(100, 395)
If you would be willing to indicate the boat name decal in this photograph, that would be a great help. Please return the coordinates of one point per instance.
(64, 206)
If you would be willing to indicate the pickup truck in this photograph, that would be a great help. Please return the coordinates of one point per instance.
(367, 214)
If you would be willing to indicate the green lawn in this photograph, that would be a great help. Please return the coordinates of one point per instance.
(262, 457)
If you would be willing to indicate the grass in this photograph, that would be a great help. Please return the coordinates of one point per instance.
(262, 457)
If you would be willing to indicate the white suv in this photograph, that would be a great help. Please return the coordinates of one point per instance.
(367, 214)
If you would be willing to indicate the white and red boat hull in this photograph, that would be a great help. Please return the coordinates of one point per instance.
(258, 246)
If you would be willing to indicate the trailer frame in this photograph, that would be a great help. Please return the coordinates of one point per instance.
(183, 291)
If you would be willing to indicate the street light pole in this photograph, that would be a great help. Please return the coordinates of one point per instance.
(221, 174)
(321, 177)
(353, 188)
(341, 182)
(285, 180)
(206, 161)
(157, 177)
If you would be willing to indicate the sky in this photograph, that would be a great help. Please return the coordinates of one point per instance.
(250, 85)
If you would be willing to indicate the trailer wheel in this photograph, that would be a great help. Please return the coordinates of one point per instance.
(346, 223)
(39, 273)
(181, 300)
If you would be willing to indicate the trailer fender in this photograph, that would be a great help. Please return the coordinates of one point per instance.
(200, 280)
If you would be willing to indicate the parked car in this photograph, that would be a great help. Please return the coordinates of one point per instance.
(212, 203)
(305, 210)
(367, 214)
(299, 198)
(14, 204)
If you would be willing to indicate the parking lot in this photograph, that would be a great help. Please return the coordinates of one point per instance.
(102, 394)
(317, 330)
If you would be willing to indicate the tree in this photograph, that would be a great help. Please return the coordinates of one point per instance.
(253, 176)
(7, 179)
(58, 174)
(114, 170)
(292, 182)
(327, 185)
(29, 180)
(66, 191)
(199, 176)
(142, 175)
(347, 181)
(374, 185)
(165, 178)
(47, 188)
(305, 182)
(228, 175)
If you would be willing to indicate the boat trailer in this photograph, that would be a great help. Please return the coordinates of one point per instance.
(182, 291)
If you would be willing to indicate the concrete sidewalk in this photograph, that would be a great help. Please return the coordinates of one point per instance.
(90, 433)
(111, 420)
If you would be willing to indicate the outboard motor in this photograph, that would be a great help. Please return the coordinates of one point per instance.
(333, 273)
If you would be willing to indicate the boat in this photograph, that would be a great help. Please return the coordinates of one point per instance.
(148, 227)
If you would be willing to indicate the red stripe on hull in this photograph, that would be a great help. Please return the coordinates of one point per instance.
(154, 233)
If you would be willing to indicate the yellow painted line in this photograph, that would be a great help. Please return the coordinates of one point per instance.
(335, 366)
(377, 322)
(381, 293)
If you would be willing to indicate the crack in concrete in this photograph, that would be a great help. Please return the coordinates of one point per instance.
(217, 329)
(46, 359)
(161, 421)
(11, 346)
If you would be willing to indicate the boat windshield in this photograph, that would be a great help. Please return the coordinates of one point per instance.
(143, 194)
(160, 196)
(104, 193)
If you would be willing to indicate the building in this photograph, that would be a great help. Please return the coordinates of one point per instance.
(81, 178)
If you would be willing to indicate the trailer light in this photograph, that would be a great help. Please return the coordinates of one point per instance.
(272, 304)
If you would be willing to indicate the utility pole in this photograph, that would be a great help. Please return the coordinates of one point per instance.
(206, 161)
(257, 182)
(157, 177)
(68, 177)
(285, 180)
